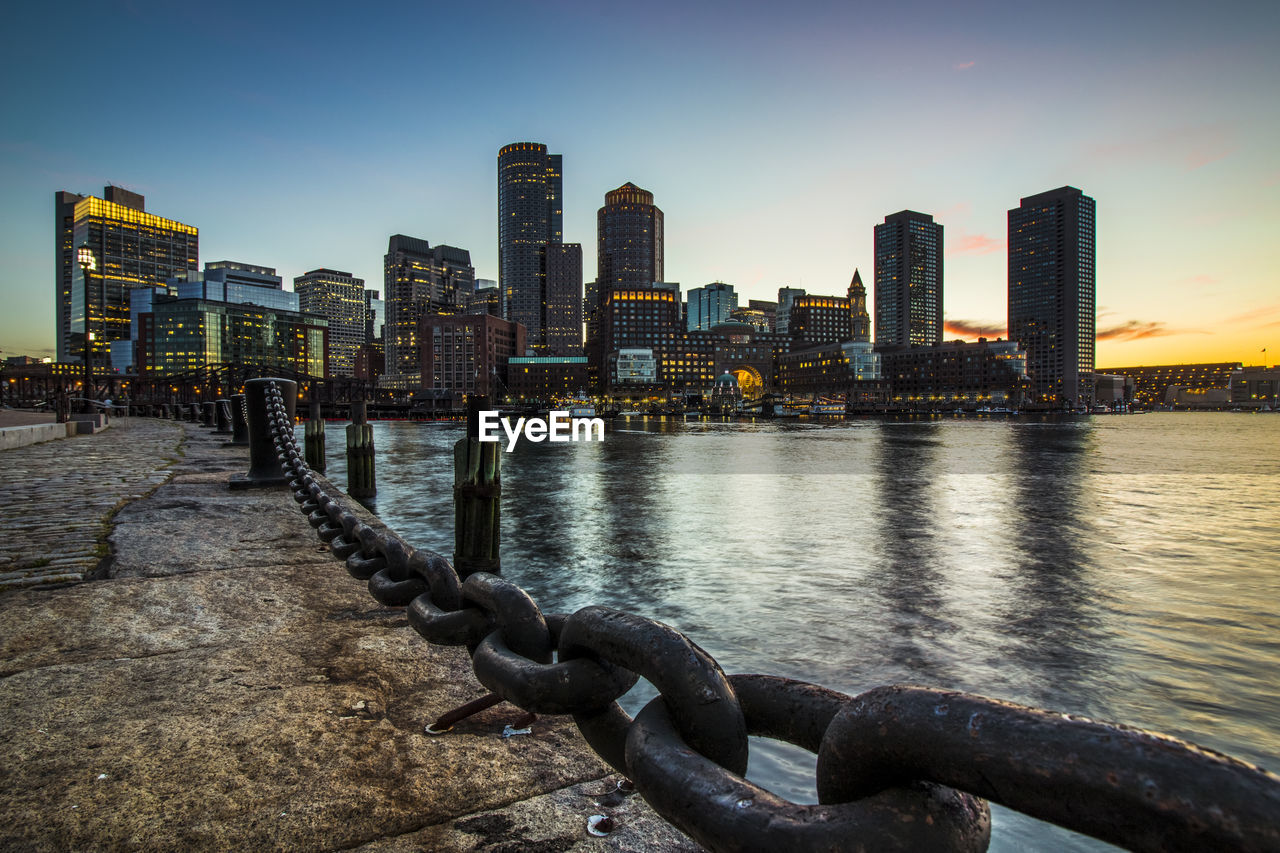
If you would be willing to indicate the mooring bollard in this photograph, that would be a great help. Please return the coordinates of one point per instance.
(208, 415)
(313, 434)
(361, 482)
(264, 465)
(477, 492)
(222, 409)
(239, 422)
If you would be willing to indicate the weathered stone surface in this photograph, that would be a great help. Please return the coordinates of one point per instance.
(225, 703)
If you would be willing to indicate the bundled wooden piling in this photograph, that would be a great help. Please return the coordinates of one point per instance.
(361, 482)
(477, 492)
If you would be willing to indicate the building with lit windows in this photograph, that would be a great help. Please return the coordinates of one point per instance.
(1052, 311)
(339, 298)
(782, 314)
(1151, 381)
(418, 281)
(955, 375)
(819, 320)
(640, 317)
(629, 240)
(232, 281)
(131, 249)
(562, 311)
(468, 353)
(178, 335)
(849, 368)
(709, 305)
(530, 218)
(547, 378)
(908, 287)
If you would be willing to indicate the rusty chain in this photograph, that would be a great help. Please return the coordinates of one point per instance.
(899, 768)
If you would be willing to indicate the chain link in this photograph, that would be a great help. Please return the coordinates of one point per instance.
(899, 768)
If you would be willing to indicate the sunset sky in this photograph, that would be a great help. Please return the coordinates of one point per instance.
(773, 136)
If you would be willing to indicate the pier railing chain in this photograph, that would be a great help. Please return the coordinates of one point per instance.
(899, 768)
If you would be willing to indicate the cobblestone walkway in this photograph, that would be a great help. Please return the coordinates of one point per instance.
(57, 497)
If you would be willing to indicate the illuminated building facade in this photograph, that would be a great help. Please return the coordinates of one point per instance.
(419, 281)
(908, 247)
(640, 317)
(956, 375)
(819, 320)
(1151, 381)
(562, 310)
(468, 353)
(132, 249)
(546, 378)
(859, 319)
(628, 240)
(178, 335)
(339, 298)
(530, 218)
(232, 281)
(1052, 311)
(709, 305)
(849, 367)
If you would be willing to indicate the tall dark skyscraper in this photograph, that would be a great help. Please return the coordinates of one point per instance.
(1052, 309)
(132, 249)
(629, 240)
(562, 314)
(908, 280)
(418, 281)
(530, 218)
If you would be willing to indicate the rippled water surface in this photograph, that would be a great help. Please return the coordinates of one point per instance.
(1126, 568)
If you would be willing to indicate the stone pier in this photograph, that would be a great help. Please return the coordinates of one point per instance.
(185, 667)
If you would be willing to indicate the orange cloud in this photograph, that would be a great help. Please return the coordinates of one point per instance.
(974, 329)
(1134, 330)
(976, 244)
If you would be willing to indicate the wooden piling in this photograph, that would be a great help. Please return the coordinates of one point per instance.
(361, 482)
(477, 492)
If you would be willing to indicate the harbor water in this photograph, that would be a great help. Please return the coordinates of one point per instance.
(1126, 568)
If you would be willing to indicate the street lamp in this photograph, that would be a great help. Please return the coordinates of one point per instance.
(88, 263)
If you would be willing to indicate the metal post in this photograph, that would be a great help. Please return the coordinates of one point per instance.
(222, 410)
(239, 422)
(361, 482)
(264, 466)
(313, 432)
(477, 491)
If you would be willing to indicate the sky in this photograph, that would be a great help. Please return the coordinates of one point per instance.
(773, 136)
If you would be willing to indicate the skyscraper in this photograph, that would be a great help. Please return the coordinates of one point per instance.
(562, 312)
(908, 280)
(1052, 311)
(530, 217)
(709, 305)
(418, 281)
(132, 249)
(339, 298)
(629, 240)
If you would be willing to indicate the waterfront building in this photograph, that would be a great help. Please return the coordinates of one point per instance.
(339, 298)
(178, 335)
(835, 368)
(1052, 311)
(956, 375)
(131, 248)
(418, 281)
(633, 366)
(530, 218)
(686, 361)
(859, 319)
(819, 320)
(908, 280)
(468, 353)
(709, 305)
(1151, 381)
(1256, 388)
(562, 311)
(638, 317)
(547, 378)
(782, 314)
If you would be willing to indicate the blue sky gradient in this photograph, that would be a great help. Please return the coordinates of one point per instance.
(774, 137)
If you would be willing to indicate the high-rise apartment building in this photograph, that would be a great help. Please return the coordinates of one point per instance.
(562, 311)
(819, 320)
(530, 218)
(1052, 311)
(419, 281)
(339, 298)
(709, 305)
(908, 280)
(131, 249)
(628, 240)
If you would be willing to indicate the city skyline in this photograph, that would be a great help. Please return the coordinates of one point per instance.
(774, 149)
